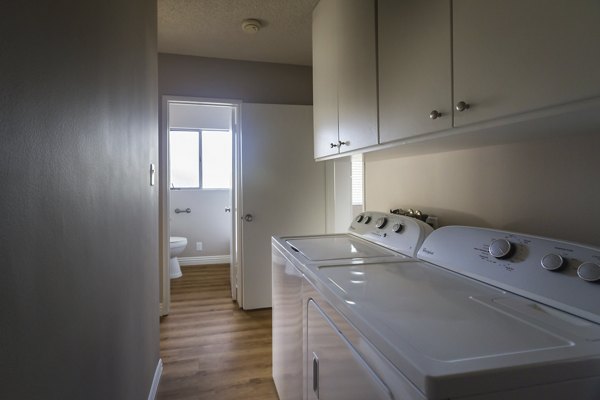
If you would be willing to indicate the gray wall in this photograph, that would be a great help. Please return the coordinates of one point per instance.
(252, 82)
(545, 187)
(79, 247)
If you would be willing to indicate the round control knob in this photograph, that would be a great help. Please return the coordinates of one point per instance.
(380, 223)
(589, 271)
(397, 228)
(367, 219)
(552, 262)
(500, 248)
(359, 218)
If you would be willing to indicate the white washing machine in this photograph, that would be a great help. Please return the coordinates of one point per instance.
(373, 237)
(483, 315)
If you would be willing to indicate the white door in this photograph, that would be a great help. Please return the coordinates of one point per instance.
(282, 189)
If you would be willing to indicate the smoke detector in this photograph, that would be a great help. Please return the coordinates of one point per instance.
(251, 25)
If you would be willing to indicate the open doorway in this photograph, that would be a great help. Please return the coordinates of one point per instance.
(199, 169)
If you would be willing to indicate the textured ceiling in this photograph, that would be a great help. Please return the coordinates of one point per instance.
(213, 28)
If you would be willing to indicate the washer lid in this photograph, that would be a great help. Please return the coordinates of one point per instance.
(447, 333)
(334, 247)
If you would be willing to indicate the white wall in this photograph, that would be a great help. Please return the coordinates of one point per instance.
(544, 187)
(79, 238)
(338, 192)
(207, 223)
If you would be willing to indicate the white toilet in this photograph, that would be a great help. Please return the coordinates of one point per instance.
(176, 245)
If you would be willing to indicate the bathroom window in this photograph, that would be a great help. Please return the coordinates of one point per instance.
(200, 159)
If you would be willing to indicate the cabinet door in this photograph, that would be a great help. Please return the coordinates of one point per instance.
(415, 80)
(335, 371)
(325, 77)
(357, 74)
(513, 56)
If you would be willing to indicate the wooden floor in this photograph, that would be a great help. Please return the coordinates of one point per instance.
(210, 348)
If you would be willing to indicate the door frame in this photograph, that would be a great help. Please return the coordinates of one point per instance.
(164, 198)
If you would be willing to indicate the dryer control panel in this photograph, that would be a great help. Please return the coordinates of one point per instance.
(561, 274)
(396, 232)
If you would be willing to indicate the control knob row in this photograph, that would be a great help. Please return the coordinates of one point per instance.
(588, 271)
(380, 223)
(364, 219)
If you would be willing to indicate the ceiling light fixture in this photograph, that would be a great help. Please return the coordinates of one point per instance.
(251, 25)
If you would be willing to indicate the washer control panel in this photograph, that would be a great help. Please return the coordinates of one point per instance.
(396, 232)
(561, 274)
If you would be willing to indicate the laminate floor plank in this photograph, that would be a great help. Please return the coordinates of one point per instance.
(210, 348)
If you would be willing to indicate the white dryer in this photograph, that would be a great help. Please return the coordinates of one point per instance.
(483, 315)
(373, 237)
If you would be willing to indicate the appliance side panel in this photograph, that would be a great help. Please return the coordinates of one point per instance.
(287, 327)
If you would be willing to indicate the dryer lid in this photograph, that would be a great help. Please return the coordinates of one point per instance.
(333, 247)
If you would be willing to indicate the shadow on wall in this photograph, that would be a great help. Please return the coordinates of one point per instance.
(539, 187)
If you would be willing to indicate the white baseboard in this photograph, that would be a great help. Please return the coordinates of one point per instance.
(156, 380)
(226, 259)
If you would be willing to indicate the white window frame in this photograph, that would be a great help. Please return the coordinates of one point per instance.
(200, 166)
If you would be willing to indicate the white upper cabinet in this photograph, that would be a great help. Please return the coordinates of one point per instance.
(513, 56)
(357, 79)
(474, 61)
(344, 76)
(415, 95)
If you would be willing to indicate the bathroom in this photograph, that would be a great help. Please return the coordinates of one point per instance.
(200, 174)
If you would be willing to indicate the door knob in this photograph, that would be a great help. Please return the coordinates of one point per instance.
(228, 209)
(248, 218)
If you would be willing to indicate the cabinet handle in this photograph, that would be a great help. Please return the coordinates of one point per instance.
(315, 381)
(333, 145)
(347, 143)
(435, 114)
(462, 106)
